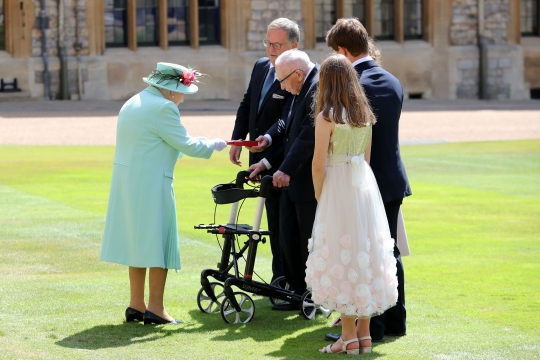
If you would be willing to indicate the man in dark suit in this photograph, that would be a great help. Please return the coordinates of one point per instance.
(295, 130)
(260, 108)
(385, 94)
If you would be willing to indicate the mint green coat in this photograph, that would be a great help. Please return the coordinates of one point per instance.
(140, 228)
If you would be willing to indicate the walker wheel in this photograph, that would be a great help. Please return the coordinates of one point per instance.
(281, 283)
(205, 302)
(309, 309)
(231, 316)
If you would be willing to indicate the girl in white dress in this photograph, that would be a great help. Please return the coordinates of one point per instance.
(351, 267)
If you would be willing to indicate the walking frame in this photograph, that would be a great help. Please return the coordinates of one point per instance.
(237, 307)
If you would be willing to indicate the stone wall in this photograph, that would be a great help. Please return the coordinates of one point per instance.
(463, 30)
(468, 78)
(497, 85)
(75, 33)
(75, 27)
(262, 14)
(496, 18)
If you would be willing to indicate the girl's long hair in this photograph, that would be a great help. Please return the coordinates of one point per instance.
(340, 93)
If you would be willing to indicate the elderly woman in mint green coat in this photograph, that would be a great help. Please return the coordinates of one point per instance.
(140, 228)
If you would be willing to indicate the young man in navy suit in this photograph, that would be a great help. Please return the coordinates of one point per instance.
(260, 108)
(295, 131)
(385, 94)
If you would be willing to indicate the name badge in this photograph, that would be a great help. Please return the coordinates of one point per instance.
(277, 96)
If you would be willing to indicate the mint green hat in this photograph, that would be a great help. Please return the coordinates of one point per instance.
(174, 77)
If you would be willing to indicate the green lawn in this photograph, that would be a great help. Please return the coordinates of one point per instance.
(472, 282)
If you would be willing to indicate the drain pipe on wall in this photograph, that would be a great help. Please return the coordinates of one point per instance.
(64, 89)
(43, 25)
(78, 47)
(482, 50)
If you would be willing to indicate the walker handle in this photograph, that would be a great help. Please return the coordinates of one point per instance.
(266, 185)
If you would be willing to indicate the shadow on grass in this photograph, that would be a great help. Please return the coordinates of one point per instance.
(299, 338)
(126, 334)
(111, 336)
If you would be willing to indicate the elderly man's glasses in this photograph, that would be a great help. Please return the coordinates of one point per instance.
(286, 77)
(276, 46)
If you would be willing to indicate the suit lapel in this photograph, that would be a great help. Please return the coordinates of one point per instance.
(271, 90)
(260, 85)
(302, 95)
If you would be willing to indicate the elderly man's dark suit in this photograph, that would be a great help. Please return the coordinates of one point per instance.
(385, 95)
(255, 121)
(298, 203)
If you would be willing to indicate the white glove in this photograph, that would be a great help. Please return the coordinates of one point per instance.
(219, 144)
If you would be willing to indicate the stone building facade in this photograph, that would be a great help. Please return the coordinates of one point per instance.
(100, 49)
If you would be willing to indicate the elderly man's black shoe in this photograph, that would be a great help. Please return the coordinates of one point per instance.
(395, 334)
(285, 306)
(332, 337)
(151, 318)
(134, 315)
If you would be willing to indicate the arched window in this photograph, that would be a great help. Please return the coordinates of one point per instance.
(115, 23)
(530, 15)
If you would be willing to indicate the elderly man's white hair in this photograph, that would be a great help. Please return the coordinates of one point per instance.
(294, 58)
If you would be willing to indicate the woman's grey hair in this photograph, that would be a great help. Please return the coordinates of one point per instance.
(291, 27)
(294, 58)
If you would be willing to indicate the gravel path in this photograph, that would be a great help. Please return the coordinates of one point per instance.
(94, 123)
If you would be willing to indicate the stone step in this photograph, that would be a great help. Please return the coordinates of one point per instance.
(14, 96)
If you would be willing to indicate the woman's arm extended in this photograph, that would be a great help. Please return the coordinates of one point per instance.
(323, 131)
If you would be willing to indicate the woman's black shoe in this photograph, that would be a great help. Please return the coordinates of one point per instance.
(132, 315)
(151, 318)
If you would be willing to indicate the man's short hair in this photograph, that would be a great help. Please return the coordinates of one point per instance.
(296, 58)
(350, 34)
(291, 27)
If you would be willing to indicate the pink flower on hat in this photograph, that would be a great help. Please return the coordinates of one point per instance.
(187, 77)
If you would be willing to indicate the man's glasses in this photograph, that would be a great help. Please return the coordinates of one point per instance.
(286, 77)
(276, 46)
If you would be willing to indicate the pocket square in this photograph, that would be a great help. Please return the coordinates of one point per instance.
(277, 96)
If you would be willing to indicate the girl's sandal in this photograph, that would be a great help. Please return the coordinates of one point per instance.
(328, 349)
(364, 349)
